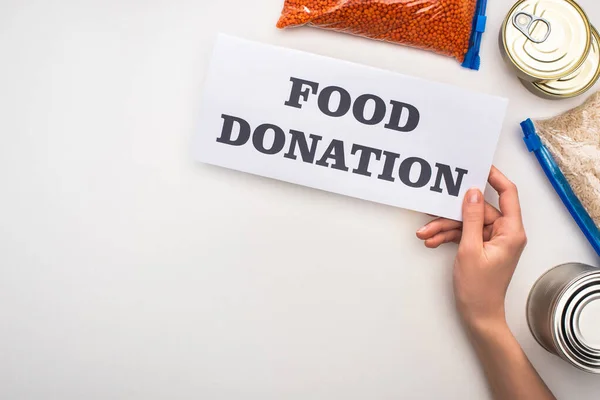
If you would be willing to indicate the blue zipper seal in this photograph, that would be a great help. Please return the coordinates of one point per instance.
(472, 59)
(561, 185)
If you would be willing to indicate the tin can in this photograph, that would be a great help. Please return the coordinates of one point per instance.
(563, 313)
(546, 40)
(576, 83)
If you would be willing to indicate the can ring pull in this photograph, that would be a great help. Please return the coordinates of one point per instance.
(523, 22)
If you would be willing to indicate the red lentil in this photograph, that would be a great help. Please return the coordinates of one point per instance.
(442, 26)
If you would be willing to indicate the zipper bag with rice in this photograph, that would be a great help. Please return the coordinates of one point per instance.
(568, 150)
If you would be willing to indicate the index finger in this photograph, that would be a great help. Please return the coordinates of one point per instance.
(509, 196)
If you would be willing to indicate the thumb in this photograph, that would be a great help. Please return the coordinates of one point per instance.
(473, 219)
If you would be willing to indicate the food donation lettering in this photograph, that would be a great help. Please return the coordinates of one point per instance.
(367, 109)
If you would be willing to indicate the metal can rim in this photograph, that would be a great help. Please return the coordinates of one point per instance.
(552, 77)
(594, 296)
(561, 300)
(553, 305)
(535, 86)
(569, 317)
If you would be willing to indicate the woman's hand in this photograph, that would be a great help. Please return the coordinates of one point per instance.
(490, 245)
(442, 230)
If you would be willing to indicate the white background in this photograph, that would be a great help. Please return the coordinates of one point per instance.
(128, 271)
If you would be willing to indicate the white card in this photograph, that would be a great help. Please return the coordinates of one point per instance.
(346, 128)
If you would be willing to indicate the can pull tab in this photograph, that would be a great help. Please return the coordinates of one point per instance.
(523, 21)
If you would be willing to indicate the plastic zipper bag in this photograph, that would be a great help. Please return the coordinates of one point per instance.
(449, 27)
(568, 149)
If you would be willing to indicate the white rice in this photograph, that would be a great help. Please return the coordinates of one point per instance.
(573, 138)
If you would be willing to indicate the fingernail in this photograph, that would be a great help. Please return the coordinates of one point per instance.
(474, 196)
(423, 229)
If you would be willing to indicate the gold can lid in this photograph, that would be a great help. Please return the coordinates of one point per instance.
(576, 83)
(546, 39)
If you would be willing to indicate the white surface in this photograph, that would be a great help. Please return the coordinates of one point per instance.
(248, 85)
(128, 271)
